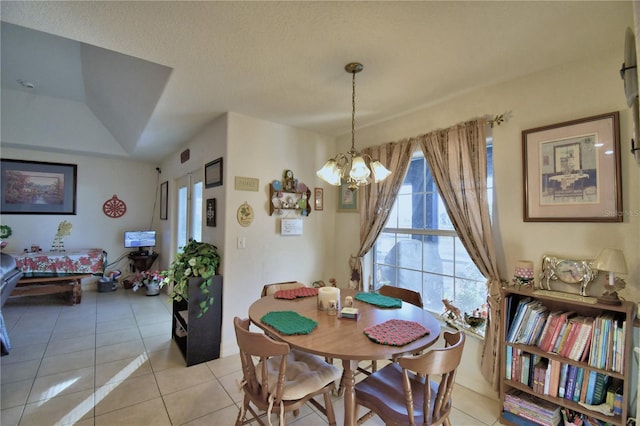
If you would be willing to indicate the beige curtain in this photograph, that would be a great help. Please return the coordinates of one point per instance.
(458, 160)
(376, 199)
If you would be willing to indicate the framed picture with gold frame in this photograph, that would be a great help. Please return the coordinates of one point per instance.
(571, 171)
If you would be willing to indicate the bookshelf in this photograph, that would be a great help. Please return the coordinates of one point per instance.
(565, 353)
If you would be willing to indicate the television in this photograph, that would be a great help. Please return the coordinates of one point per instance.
(139, 239)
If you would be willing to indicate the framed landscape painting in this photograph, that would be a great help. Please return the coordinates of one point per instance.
(34, 187)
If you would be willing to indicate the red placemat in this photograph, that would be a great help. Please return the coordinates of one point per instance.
(396, 332)
(295, 293)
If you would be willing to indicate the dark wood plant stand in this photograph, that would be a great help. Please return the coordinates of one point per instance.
(198, 338)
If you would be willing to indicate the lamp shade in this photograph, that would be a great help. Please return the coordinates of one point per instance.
(611, 260)
(380, 172)
(359, 170)
(330, 173)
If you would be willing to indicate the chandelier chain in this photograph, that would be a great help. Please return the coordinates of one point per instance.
(353, 110)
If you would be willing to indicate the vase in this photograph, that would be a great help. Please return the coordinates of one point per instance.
(153, 288)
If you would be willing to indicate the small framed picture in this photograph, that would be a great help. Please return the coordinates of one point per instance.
(213, 173)
(347, 199)
(211, 212)
(318, 194)
(164, 200)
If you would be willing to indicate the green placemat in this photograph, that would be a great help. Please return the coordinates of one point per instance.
(289, 322)
(379, 300)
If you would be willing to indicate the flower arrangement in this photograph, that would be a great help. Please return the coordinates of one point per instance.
(144, 278)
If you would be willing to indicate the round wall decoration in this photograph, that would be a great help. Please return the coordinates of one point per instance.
(114, 207)
(245, 214)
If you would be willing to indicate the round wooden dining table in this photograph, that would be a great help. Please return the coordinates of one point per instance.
(343, 338)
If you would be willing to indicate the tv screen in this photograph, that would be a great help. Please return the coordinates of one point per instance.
(139, 239)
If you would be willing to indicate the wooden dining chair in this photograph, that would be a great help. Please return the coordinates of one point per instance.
(278, 379)
(269, 289)
(404, 294)
(402, 393)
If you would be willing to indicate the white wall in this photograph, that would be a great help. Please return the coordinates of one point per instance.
(259, 149)
(576, 90)
(98, 180)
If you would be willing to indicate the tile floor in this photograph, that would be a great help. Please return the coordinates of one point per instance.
(110, 361)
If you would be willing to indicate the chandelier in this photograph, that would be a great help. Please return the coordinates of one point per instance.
(355, 168)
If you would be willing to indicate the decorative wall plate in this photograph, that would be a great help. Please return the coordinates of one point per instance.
(245, 214)
(114, 207)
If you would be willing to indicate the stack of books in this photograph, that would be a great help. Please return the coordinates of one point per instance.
(349, 313)
(531, 408)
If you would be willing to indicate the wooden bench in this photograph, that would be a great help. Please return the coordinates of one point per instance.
(33, 286)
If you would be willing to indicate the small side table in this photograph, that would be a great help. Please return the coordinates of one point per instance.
(142, 263)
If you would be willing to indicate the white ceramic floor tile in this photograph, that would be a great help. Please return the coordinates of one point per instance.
(66, 362)
(118, 336)
(175, 379)
(19, 371)
(63, 410)
(146, 413)
(122, 369)
(15, 394)
(11, 416)
(197, 401)
(114, 396)
(58, 346)
(24, 353)
(51, 386)
(119, 351)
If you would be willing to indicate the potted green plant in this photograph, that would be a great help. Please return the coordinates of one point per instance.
(5, 233)
(198, 259)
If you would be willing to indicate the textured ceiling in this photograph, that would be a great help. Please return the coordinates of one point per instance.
(154, 73)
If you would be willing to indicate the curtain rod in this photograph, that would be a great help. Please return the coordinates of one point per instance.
(497, 120)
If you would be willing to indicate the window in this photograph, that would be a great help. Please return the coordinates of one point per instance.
(419, 248)
(189, 209)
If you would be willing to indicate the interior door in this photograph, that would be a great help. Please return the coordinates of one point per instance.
(189, 209)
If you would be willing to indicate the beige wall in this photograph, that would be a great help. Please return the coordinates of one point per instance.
(98, 180)
(263, 150)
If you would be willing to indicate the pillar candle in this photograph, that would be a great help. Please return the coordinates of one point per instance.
(325, 294)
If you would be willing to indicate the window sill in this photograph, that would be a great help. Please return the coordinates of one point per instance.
(450, 324)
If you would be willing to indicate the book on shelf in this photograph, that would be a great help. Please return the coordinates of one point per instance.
(585, 386)
(578, 385)
(555, 367)
(584, 333)
(591, 384)
(525, 328)
(539, 375)
(574, 326)
(562, 384)
(521, 311)
(531, 407)
(548, 325)
(570, 387)
(559, 329)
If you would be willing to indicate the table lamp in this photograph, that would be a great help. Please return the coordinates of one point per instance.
(611, 261)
